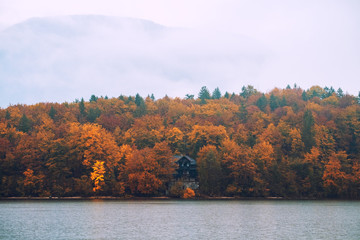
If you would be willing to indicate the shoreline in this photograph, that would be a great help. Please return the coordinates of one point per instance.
(78, 198)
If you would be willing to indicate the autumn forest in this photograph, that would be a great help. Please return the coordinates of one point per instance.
(290, 142)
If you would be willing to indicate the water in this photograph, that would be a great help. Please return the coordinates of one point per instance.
(179, 219)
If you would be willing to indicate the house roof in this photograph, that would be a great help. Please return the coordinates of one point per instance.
(191, 160)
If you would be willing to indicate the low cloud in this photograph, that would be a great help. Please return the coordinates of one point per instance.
(63, 58)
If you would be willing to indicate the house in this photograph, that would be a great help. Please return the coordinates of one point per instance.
(186, 172)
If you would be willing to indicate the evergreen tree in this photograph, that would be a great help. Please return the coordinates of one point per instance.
(274, 102)
(243, 113)
(216, 94)
(227, 95)
(152, 97)
(8, 116)
(140, 106)
(308, 131)
(304, 96)
(204, 94)
(283, 101)
(52, 112)
(247, 91)
(262, 103)
(209, 171)
(24, 124)
(93, 114)
(139, 100)
(189, 96)
(82, 107)
(93, 98)
(340, 93)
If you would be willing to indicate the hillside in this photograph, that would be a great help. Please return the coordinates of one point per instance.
(288, 142)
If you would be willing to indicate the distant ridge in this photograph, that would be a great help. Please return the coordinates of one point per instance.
(62, 58)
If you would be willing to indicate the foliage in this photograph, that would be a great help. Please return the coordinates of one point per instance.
(288, 142)
(188, 193)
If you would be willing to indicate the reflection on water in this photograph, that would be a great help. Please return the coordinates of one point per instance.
(179, 220)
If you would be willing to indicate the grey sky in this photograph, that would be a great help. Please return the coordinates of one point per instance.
(310, 42)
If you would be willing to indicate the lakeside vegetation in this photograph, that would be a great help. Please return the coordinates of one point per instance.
(286, 143)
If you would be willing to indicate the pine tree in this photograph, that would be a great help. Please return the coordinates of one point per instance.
(52, 112)
(24, 124)
(308, 132)
(93, 98)
(304, 96)
(140, 106)
(216, 94)
(274, 102)
(82, 107)
(340, 93)
(204, 94)
(262, 102)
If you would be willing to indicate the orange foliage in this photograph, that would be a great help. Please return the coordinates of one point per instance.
(188, 193)
(247, 144)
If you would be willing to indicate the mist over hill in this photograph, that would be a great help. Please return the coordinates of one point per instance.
(67, 57)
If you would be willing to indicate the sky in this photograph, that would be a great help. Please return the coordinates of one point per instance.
(309, 42)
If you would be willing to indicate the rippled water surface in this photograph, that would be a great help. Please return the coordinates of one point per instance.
(180, 219)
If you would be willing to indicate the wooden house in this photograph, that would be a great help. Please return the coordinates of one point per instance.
(186, 172)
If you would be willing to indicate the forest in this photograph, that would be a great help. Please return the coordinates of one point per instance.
(290, 142)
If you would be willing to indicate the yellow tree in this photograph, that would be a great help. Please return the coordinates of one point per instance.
(297, 145)
(206, 135)
(175, 138)
(97, 175)
(89, 143)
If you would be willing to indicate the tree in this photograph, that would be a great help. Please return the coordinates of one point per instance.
(189, 96)
(52, 113)
(209, 171)
(262, 102)
(24, 124)
(97, 175)
(204, 94)
(340, 93)
(82, 107)
(274, 102)
(248, 91)
(149, 170)
(93, 114)
(93, 98)
(33, 184)
(241, 177)
(304, 96)
(206, 135)
(308, 132)
(216, 94)
(140, 106)
(188, 193)
(336, 180)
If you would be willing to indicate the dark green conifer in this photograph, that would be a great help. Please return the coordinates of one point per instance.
(24, 124)
(216, 94)
(308, 131)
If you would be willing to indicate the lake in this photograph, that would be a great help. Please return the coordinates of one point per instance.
(176, 219)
